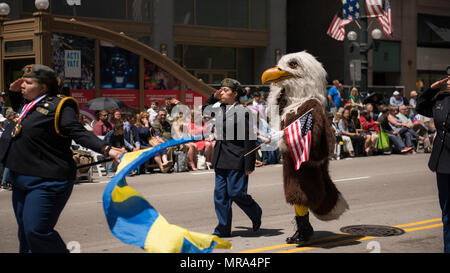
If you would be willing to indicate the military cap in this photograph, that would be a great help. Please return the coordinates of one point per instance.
(231, 83)
(39, 71)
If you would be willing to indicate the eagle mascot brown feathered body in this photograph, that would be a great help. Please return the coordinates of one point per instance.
(298, 85)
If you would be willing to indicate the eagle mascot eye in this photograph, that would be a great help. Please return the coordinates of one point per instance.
(298, 87)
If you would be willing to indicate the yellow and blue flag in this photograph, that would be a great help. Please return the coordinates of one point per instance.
(133, 220)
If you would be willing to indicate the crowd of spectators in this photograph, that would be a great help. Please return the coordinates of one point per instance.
(137, 131)
(358, 126)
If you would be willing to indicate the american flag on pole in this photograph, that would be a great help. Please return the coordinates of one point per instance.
(298, 135)
(336, 29)
(375, 9)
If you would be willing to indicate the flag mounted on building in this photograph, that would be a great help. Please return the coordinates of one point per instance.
(298, 135)
(381, 9)
(133, 220)
(336, 29)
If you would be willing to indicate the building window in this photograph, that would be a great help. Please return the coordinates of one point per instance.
(184, 12)
(134, 10)
(432, 31)
(212, 64)
(247, 14)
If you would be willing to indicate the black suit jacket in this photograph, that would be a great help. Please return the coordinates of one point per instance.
(437, 105)
(235, 137)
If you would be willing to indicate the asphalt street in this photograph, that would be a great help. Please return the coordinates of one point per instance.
(386, 191)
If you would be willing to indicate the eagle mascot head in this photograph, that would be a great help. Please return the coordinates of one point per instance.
(297, 78)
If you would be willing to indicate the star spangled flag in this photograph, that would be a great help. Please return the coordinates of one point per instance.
(375, 8)
(133, 220)
(298, 135)
(350, 9)
(336, 29)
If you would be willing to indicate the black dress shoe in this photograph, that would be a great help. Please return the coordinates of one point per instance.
(256, 225)
(222, 235)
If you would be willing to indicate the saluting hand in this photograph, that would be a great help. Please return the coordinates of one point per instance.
(15, 86)
(217, 94)
(440, 83)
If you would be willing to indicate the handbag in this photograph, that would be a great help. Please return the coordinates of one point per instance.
(153, 141)
(383, 141)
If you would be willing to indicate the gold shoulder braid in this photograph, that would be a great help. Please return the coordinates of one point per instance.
(64, 99)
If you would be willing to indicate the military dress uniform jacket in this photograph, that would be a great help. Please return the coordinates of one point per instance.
(437, 105)
(229, 153)
(43, 146)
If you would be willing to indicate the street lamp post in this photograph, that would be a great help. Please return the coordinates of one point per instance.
(363, 45)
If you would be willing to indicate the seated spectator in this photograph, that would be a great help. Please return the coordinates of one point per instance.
(162, 126)
(370, 127)
(348, 129)
(368, 143)
(102, 126)
(144, 131)
(347, 142)
(396, 99)
(130, 134)
(394, 137)
(403, 128)
(206, 145)
(181, 130)
(354, 99)
(428, 123)
(170, 103)
(86, 123)
(269, 151)
(373, 114)
(116, 116)
(115, 139)
(163, 129)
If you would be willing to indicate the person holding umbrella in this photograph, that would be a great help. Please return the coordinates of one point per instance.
(36, 148)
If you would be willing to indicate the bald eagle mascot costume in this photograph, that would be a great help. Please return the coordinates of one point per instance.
(298, 85)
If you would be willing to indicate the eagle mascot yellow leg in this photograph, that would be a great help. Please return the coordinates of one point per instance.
(298, 86)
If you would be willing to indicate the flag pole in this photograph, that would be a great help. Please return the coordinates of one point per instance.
(253, 150)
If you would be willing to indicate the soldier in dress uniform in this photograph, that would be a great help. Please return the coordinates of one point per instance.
(36, 149)
(435, 103)
(232, 168)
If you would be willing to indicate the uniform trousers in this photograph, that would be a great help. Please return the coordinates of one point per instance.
(38, 203)
(443, 183)
(231, 186)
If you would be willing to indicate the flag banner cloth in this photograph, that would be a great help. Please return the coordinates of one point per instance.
(298, 135)
(336, 29)
(133, 220)
(350, 9)
(380, 9)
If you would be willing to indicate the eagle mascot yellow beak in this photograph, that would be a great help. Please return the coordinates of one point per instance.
(275, 74)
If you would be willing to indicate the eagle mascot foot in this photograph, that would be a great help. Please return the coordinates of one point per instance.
(304, 231)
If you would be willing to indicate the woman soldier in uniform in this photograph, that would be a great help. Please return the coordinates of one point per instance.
(36, 148)
(231, 166)
(435, 104)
